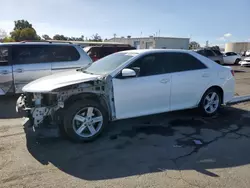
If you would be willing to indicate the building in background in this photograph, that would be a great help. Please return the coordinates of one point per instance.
(237, 47)
(154, 42)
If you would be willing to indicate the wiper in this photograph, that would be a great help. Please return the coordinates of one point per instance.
(84, 71)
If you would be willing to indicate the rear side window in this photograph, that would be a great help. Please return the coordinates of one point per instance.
(32, 54)
(4, 56)
(63, 53)
(178, 62)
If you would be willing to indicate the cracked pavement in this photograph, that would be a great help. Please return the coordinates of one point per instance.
(152, 151)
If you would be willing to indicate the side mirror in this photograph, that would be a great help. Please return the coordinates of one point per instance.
(128, 73)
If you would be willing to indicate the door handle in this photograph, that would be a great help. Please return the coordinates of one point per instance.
(205, 75)
(19, 70)
(4, 72)
(164, 81)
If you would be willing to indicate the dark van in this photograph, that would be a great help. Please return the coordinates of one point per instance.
(98, 52)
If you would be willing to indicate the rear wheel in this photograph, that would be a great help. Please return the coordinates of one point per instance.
(85, 120)
(211, 102)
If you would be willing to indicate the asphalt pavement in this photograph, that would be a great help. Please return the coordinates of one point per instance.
(178, 149)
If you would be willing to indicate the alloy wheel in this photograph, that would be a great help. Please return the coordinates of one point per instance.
(87, 122)
(211, 102)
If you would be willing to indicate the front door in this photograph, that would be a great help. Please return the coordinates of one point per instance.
(30, 62)
(6, 80)
(148, 93)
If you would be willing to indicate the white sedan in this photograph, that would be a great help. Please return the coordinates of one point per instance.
(231, 58)
(124, 85)
(245, 62)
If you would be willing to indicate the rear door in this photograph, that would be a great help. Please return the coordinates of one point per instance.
(6, 80)
(30, 62)
(190, 77)
(66, 57)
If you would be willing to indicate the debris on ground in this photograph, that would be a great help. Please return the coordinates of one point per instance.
(177, 146)
(197, 142)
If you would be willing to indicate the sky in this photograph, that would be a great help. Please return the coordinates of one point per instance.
(216, 21)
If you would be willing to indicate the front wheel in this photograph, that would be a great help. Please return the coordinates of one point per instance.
(210, 102)
(237, 61)
(85, 120)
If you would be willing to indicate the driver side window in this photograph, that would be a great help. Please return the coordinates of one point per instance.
(149, 65)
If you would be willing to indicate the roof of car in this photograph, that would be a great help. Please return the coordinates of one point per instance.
(149, 51)
(35, 43)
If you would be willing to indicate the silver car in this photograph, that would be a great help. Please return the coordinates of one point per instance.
(23, 62)
(212, 54)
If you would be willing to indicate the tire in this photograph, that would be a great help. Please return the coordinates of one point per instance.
(58, 118)
(214, 106)
(237, 61)
(79, 120)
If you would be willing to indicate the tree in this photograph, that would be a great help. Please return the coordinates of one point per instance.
(8, 39)
(23, 30)
(3, 34)
(215, 48)
(25, 34)
(194, 45)
(60, 37)
(28, 34)
(96, 38)
(46, 37)
(22, 24)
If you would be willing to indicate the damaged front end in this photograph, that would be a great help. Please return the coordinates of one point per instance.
(46, 110)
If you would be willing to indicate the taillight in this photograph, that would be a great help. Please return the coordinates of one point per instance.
(232, 71)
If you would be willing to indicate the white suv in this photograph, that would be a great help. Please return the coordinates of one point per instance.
(124, 85)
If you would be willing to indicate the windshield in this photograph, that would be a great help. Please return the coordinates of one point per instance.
(86, 49)
(109, 63)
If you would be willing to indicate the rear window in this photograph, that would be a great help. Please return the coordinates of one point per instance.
(217, 52)
(87, 48)
(209, 53)
(30, 54)
(3, 56)
(63, 53)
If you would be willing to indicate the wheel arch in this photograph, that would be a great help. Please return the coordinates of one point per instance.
(219, 89)
(89, 96)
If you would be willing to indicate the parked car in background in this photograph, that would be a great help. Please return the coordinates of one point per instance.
(124, 85)
(248, 53)
(231, 58)
(245, 62)
(214, 55)
(23, 62)
(98, 52)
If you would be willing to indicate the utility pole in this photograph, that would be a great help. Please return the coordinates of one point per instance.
(114, 37)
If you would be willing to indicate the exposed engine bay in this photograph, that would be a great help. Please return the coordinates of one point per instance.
(42, 108)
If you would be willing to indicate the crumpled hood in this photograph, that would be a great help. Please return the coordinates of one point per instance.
(58, 80)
